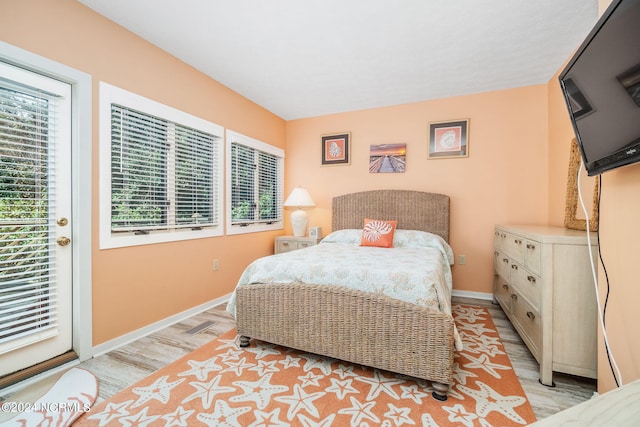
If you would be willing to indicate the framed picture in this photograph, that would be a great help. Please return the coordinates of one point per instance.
(335, 149)
(449, 139)
(390, 158)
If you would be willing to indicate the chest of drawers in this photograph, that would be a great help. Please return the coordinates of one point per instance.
(544, 284)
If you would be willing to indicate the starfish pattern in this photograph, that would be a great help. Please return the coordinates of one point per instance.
(300, 400)
(238, 366)
(259, 391)
(178, 417)
(262, 350)
(268, 419)
(233, 344)
(399, 415)
(159, 390)
(140, 419)
(489, 400)
(308, 422)
(344, 371)
(360, 411)
(460, 375)
(310, 379)
(231, 354)
(223, 415)
(458, 414)
(469, 314)
(314, 361)
(483, 362)
(207, 391)
(202, 369)
(341, 388)
(477, 328)
(412, 392)
(290, 361)
(380, 384)
(111, 412)
(264, 367)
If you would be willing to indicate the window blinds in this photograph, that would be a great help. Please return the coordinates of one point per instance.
(27, 252)
(256, 185)
(163, 175)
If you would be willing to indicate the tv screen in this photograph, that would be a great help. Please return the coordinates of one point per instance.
(601, 85)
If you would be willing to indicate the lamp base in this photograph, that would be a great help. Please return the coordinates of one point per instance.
(299, 223)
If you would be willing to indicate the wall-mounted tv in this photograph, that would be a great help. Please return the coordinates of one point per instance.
(601, 85)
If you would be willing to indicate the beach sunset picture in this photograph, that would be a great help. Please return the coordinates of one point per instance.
(387, 158)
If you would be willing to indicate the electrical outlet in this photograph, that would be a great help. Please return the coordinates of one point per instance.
(462, 259)
(216, 264)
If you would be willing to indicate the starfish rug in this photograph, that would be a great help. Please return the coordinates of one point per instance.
(221, 384)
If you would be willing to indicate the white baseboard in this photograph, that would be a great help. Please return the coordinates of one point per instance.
(471, 294)
(154, 327)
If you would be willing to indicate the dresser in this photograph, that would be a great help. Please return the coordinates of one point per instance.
(544, 284)
(291, 243)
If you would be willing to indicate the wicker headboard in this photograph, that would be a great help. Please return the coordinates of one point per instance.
(414, 210)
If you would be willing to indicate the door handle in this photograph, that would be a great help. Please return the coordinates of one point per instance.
(63, 241)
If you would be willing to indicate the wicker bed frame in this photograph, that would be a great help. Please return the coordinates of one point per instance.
(355, 326)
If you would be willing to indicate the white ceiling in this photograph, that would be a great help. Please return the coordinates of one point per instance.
(305, 58)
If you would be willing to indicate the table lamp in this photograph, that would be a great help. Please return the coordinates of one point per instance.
(299, 198)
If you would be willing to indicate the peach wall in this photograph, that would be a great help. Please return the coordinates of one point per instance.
(134, 287)
(504, 179)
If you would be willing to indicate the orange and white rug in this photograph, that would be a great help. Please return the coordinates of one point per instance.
(221, 384)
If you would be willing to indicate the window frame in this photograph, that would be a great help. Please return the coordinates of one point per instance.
(255, 227)
(109, 95)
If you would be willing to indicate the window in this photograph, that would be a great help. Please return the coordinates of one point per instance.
(254, 185)
(160, 172)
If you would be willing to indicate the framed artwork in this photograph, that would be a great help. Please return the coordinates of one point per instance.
(388, 158)
(449, 139)
(336, 149)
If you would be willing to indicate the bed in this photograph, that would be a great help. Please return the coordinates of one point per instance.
(373, 328)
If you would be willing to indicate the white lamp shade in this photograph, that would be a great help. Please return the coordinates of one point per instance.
(299, 198)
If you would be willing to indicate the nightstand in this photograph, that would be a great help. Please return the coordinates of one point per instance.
(291, 243)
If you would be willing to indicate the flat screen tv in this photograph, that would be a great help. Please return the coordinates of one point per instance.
(601, 85)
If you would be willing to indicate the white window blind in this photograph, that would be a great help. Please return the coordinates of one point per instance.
(28, 125)
(255, 190)
(165, 173)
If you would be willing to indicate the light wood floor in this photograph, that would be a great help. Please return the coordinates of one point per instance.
(122, 367)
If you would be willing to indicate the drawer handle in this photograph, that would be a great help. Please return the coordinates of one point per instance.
(531, 279)
(506, 287)
(505, 260)
(285, 243)
(530, 315)
(515, 267)
(531, 246)
(514, 297)
(518, 242)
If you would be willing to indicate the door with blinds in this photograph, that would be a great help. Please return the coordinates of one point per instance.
(35, 219)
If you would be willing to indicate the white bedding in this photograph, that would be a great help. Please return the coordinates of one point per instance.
(417, 269)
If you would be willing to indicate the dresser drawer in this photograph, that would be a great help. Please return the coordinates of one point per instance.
(502, 293)
(502, 265)
(527, 284)
(528, 319)
(533, 256)
(514, 247)
(286, 246)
